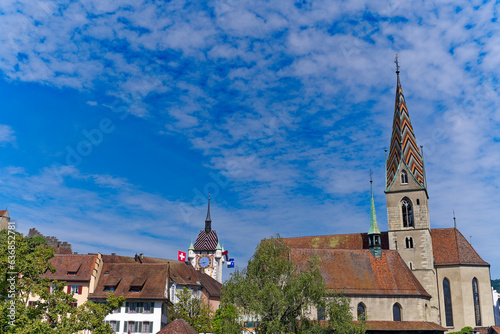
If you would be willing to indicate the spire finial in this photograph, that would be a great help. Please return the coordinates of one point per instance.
(371, 183)
(208, 220)
(397, 64)
(454, 219)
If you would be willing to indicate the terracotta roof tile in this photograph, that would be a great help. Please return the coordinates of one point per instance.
(2, 212)
(183, 273)
(403, 325)
(127, 274)
(65, 263)
(358, 272)
(211, 285)
(495, 330)
(336, 241)
(178, 326)
(450, 248)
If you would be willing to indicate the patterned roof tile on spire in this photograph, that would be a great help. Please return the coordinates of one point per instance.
(403, 143)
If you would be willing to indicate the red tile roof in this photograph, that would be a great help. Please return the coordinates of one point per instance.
(2, 212)
(181, 273)
(211, 285)
(494, 330)
(358, 272)
(178, 326)
(451, 248)
(336, 241)
(153, 276)
(82, 265)
(388, 326)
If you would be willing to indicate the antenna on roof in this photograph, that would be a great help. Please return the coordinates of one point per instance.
(470, 239)
(454, 220)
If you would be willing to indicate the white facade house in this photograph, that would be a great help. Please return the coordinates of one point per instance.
(496, 306)
(145, 287)
(139, 316)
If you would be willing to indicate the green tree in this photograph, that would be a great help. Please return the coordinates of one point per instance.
(23, 261)
(226, 320)
(193, 309)
(277, 293)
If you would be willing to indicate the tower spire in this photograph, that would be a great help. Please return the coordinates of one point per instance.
(208, 221)
(403, 149)
(397, 64)
(374, 241)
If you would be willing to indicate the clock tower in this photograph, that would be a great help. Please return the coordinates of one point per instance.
(206, 253)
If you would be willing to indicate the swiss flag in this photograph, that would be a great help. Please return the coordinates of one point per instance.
(181, 256)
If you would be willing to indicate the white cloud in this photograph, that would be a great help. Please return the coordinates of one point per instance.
(6, 134)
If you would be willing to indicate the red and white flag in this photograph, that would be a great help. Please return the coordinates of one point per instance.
(181, 256)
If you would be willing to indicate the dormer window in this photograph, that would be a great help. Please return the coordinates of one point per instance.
(73, 269)
(137, 284)
(111, 284)
(404, 177)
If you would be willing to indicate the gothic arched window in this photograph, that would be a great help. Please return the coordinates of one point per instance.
(396, 312)
(409, 242)
(361, 311)
(477, 307)
(448, 311)
(404, 177)
(407, 212)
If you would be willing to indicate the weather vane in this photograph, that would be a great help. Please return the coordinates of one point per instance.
(397, 64)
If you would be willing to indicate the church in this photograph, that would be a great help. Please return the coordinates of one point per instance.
(431, 279)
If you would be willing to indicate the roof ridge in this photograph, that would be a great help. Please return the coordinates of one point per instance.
(456, 243)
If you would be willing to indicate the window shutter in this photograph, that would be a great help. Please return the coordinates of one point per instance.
(125, 324)
(117, 326)
(126, 309)
(69, 289)
(135, 325)
(79, 289)
(150, 327)
(152, 307)
(140, 307)
(140, 327)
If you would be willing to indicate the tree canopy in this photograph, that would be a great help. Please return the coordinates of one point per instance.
(279, 294)
(23, 261)
(193, 309)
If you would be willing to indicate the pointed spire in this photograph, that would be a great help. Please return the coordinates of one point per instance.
(191, 246)
(374, 235)
(373, 216)
(403, 149)
(218, 246)
(208, 221)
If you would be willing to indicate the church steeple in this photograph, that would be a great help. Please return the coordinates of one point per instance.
(403, 151)
(208, 221)
(374, 241)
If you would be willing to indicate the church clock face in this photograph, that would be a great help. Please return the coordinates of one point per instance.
(204, 261)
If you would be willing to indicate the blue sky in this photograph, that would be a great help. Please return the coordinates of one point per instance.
(119, 118)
